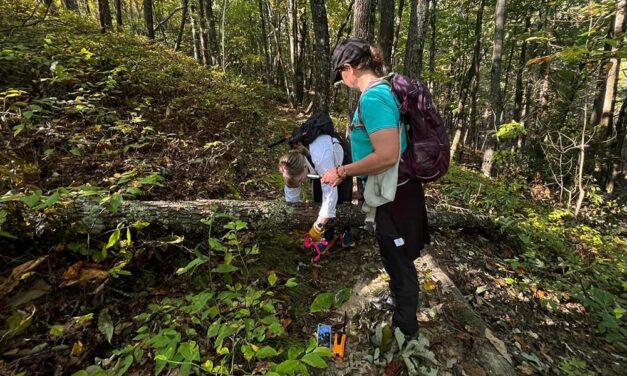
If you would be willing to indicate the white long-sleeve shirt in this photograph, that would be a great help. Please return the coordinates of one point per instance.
(326, 153)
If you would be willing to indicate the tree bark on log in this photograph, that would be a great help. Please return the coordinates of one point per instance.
(185, 217)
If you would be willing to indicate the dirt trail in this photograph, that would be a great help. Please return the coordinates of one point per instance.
(456, 335)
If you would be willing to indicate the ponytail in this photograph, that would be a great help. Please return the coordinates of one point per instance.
(372, 58)
(293, 164)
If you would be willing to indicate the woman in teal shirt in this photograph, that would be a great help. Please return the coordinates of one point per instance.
(401, 225)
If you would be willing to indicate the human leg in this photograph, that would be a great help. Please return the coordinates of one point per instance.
(403, 284)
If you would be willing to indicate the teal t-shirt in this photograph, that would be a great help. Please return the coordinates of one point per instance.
(379, 110)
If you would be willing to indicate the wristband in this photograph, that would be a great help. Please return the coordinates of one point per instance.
(337, 172)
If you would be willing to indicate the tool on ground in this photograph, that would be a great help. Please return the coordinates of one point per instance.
(317, 246)
(339, 340)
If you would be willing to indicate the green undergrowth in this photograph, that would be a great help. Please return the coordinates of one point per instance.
(80, 107)
(226, 306)
(581, 258)
(235, 325)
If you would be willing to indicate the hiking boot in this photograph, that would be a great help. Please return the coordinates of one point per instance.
(347, 240)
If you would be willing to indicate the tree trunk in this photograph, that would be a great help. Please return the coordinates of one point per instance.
(597, 107)
(131, 16)
(522, 61)
(295, 48)
(264, 41)
(362, 21)
(212, 34)
(582, 155)
(545, 66)
(299, 74)
(609, 101)
(397, 28)
(292, 29)
(433, 48)
(344, 25)
(149, 19)
(187, 217)
(506, 78)
(472, 127)
(470, 75)
(275, 24)
(616, 161)
(416, 38)
(386, 30)
(192, 23)
(495, 86)
(118, 15)
(179, 36)
(71, 5)
(87, 8)
(202, 33)
(50, 6)
(223, 36)
(322, 60)
(104, 14)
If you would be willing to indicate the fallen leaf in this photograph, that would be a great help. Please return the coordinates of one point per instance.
(498, 345)
(19, 273)
(286, 323)
(429, 285)
(105, 324)
(541, 59)
(473, 370)
(77, 349)
(393, 368)
(520, 343)
(81, 272)
(532, 334)
(533, 358)
(38, 289)
(19, 322)
(481, 289)
(527, 369)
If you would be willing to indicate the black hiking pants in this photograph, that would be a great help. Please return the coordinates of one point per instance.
(402, 231)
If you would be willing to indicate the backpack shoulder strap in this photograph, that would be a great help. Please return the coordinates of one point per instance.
(381, 81)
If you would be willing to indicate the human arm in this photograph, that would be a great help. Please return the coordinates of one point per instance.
(322, 156)
(386, 152)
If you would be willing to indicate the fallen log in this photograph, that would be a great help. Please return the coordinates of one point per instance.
(190, 217)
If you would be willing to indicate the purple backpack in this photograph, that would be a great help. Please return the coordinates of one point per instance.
(427, 156)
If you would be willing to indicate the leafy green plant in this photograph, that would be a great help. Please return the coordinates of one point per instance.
(413, 352)
(326, 301)
(511, 130)
(238, 323)
(575, 367)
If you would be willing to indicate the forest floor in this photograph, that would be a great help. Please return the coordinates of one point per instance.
(535, 338)
(119, 118)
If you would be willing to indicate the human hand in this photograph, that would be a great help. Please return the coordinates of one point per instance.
(332, 177)
(316, 231)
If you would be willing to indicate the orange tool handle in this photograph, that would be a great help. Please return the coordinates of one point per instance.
(339, 347)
